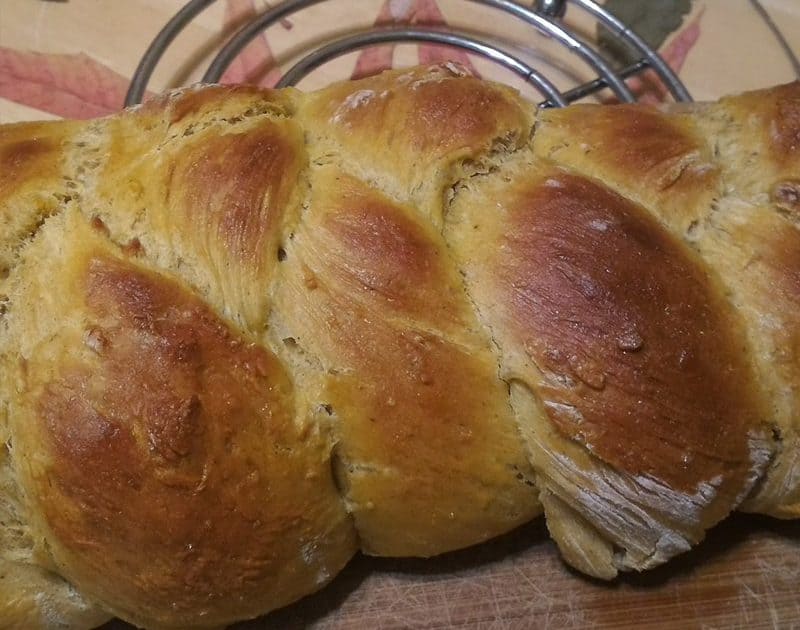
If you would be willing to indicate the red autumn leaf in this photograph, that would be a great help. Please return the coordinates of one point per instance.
(379, 58)
(422, 12)
(70, 86)
(429, 14)
(677, 51)
(256, 63)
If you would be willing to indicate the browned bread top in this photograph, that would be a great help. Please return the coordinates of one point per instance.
(248, 332)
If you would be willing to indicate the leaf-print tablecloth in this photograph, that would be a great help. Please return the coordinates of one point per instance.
(73, 58)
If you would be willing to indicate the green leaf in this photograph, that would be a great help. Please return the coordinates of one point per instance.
(652, 20)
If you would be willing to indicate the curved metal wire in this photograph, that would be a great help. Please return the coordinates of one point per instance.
(544, 25)
(546, 22)
(236, 44)
(598, 84)
(154, 52)
(550, 27)
(346, 44)
(676, 87)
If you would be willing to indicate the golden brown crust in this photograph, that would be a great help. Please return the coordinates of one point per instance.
(775, 114)
(19, 159)
(26, 150)
(380, 250)
(740, 222)
(238, 186)
(644, 393)
(34, 179)
(155, 440)
(208, 191)
(414, 393)
(259, 326)
(415, 130)
(202, 104)
(603, 300)
(755, 136)
(760, 252)
(194, 104)
(656, 159)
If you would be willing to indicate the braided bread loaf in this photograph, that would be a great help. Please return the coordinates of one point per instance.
(246, 333)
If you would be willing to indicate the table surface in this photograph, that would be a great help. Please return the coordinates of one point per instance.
(745, 575)
(74, 58)
(88, 49)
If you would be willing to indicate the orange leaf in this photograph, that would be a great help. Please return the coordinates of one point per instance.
(70, 86)
(379, 58)
(256, 63)
(429, 14)
(423, 12)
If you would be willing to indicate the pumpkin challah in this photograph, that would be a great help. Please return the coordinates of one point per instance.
(246, 333)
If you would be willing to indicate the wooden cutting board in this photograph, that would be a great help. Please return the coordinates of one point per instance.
(745, 575)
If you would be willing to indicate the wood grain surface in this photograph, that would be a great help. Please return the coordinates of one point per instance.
(746, 574)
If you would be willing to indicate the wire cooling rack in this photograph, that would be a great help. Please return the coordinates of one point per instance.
(545, 17)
